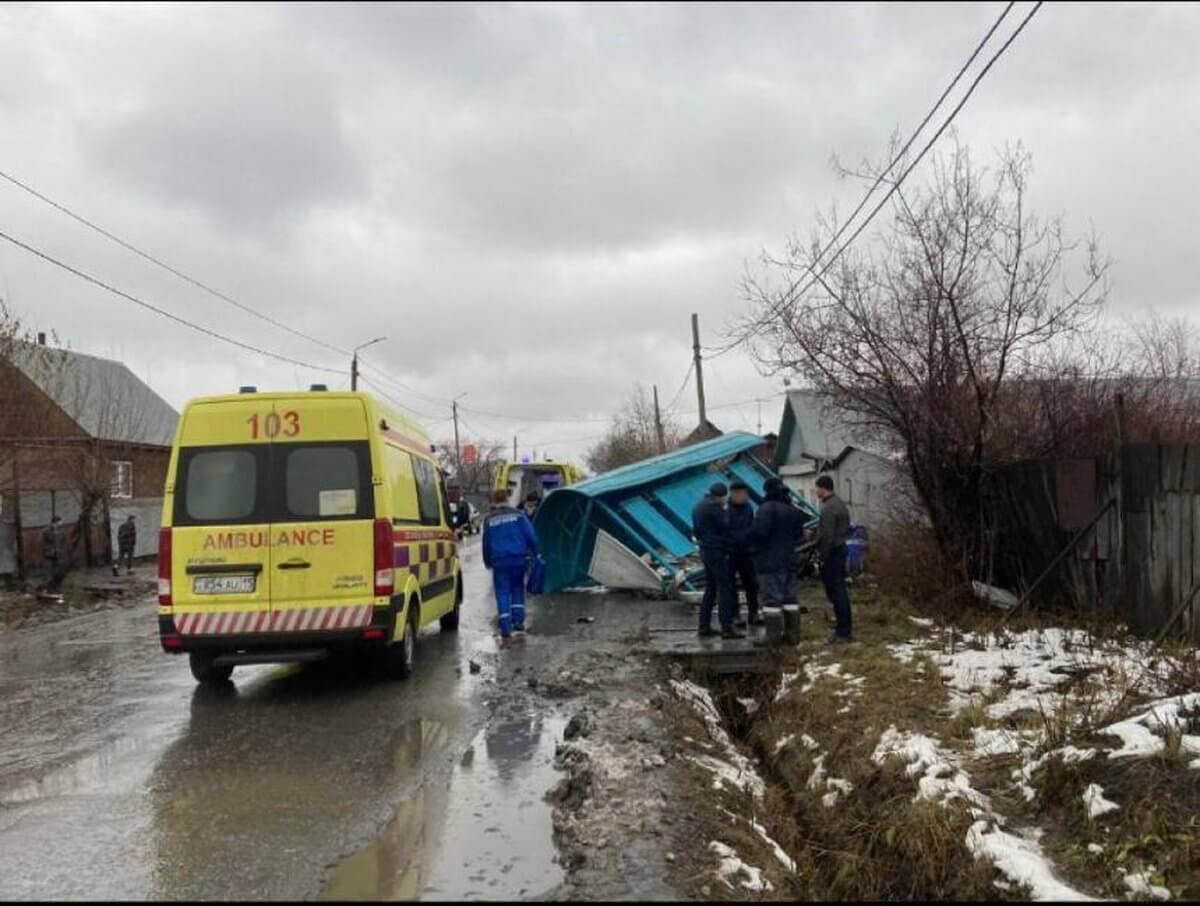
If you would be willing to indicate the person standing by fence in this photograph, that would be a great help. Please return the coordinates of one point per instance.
(126, 543)
(54, 553)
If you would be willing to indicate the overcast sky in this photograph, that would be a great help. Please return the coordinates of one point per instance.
(529, 201)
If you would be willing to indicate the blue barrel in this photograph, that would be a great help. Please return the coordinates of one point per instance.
(856, 548)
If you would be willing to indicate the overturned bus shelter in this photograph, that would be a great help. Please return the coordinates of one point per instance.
(632, 527)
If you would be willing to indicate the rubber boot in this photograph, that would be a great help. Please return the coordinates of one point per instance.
(791, 624)
(774, 634)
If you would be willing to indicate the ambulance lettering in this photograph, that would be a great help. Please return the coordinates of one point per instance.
(283, 538)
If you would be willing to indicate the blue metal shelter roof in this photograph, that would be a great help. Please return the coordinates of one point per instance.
(646, 506)
(668, 464)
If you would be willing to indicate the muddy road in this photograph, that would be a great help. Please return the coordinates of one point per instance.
(120, 778)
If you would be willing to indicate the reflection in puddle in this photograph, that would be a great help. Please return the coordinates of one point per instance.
(488, 836)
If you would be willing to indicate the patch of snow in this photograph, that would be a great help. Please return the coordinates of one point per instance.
(785, 685)
(749, 704)
(1137, 733)
(725, 773)
(1139, 884)
(1095, 849)
(1034, 667)
(837, 788)
(736, 769)
(1097, 805)
(809, 742)
(784, 859)
(1024, 774)
(782, 743)
(815, 672)
(989, 742)
(731, 867)
(817, 780)
(942, 780)
(845, 709)
(1020, 860)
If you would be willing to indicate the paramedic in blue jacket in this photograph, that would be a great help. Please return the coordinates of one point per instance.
(508, 544)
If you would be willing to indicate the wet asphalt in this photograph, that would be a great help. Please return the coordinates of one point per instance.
(121, 778)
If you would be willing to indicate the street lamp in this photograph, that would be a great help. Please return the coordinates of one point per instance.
(354, 360)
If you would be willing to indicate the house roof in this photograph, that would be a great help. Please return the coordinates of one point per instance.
(704, 432)
(103, 397)
(807, 431)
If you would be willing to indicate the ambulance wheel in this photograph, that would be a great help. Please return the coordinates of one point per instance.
(204, 671)
(449, 622)
(398, 659)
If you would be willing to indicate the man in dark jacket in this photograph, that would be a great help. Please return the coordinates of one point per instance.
(778, 528)
(741, 563)
(54, 552)
(126, 543)
(710, 525)
(831, 539)
(508, 544)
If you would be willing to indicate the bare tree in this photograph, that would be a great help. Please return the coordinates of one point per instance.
(917, 335)
(472, 477)
(633, 435)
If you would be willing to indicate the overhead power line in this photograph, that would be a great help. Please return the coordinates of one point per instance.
(163, 312)
(879, 179)
(387, 396)
(129, 246)
(895, 186)
(682, 387)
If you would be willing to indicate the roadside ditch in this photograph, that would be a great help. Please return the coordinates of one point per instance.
(926, 761)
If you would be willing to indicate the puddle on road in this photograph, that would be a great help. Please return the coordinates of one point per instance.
(484, 836)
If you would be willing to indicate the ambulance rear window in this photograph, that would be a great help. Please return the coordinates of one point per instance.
(220, 485)
(325, 481)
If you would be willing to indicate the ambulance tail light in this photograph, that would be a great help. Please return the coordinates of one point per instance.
(164, 567)
(385, 559)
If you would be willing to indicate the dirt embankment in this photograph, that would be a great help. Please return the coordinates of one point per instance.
(84, 591)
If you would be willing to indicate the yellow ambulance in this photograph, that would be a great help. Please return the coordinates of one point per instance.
(300, 524)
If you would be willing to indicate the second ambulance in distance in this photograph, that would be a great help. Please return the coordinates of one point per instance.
(298, 524)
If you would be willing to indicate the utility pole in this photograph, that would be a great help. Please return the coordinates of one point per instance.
(514, 448)
(760, 402)
(699, 371)
(457, 445)
(658, 425)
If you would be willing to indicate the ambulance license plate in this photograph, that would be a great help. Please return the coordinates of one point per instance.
(223, 585)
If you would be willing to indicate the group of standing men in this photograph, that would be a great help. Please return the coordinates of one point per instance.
(758, 548)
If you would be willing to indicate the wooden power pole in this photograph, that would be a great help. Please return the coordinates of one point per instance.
(658, 425)
(699, 371)
(457, 446)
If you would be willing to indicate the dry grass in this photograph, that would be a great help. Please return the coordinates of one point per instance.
(877, 842)
(1156, 827)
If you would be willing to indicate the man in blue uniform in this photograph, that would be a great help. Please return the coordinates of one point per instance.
(508, 544)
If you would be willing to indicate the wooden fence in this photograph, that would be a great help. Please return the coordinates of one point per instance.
(1139, 563)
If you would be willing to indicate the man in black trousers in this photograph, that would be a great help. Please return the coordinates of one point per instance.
(831, 537)
(710, 525)
(741, 562)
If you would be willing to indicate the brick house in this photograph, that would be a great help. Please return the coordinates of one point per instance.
(83, 438)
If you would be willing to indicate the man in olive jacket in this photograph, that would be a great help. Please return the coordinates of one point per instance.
(831, 538)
